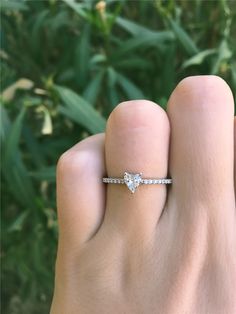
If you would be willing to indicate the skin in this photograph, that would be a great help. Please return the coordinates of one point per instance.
(167, 250)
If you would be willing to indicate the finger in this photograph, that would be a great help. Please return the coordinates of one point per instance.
(201, 154)
(80, 194)
(137, 140)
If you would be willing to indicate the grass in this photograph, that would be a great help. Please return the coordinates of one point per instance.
(65, 65)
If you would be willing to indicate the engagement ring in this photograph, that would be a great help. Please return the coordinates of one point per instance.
(133, 180)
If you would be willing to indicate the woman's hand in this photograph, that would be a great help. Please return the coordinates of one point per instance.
(164, 249)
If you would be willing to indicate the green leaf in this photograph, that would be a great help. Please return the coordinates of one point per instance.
(133, 28)
(224, 53)
(112, 76)
(17, 225)
(233, 71)
(131, 90)
(184, 39)
(47, 173)
(5, 123)
(198, 58)
(14, 170)
(34, 148)
(163, 102)
(112, 92)
(60, 20)
(36, 30)
(133, 63)
(77, 7)
(13, 5)
(92, 90)
(98, 58)
(17, 178)
(12, 142)
(113, 97)
(82, 57)
(79, 110)
(157, 39)
(168, 76)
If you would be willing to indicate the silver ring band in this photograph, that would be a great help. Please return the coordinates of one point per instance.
(143, 181)
(133, 180)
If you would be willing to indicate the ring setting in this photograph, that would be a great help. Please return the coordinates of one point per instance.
(133, 180)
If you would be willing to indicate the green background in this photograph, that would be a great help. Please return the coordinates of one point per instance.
(64, 66)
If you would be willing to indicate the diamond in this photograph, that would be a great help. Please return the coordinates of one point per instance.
(132, 180)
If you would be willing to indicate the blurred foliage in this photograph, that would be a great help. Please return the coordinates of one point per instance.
(64, 66)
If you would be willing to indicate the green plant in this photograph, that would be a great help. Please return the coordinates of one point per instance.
(65, 65)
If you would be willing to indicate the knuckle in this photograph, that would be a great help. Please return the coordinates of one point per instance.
(75, 161)
(71, 160)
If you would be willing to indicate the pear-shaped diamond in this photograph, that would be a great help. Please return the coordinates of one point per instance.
(132, 180)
